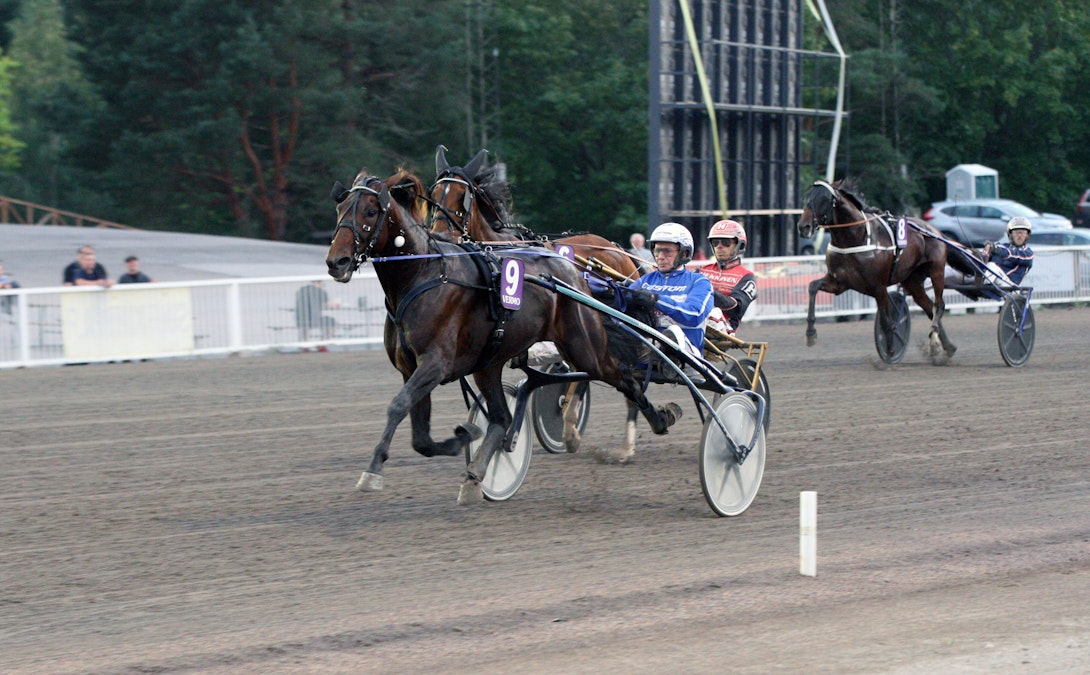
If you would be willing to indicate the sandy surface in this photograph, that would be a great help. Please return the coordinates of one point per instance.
(200, 516)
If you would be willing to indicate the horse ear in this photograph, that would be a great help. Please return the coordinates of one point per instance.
(384, 197)
(441, 164)
(474, 166)
(339, 192)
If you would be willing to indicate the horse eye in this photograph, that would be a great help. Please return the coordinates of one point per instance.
(371, 213)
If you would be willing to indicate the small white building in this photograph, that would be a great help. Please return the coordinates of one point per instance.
(971, 181)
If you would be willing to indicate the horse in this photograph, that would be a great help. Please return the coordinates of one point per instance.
(442, 322)
(864, 256)
(472, 203)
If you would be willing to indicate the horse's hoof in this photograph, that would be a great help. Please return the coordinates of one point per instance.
(950, 351)
(369, 482)
(470, 493)
(811, 340)
(571, 445)
(603, 456)
(672, 412)
(467, 433)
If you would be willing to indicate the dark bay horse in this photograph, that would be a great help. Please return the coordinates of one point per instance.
(472, 203)
(442, 322)
(864, 256)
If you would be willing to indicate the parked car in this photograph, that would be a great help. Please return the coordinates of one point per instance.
(976, 221)
(1076, 236)
(1082, 212)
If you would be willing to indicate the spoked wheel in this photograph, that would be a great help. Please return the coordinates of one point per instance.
(891, 347)
(743, 372)
(730, 487)
(1016, 345)
(547, 410)
(506, 470)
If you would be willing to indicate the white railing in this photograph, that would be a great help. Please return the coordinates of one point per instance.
(63, 325)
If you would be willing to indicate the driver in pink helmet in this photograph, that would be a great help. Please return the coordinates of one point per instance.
(735, 286)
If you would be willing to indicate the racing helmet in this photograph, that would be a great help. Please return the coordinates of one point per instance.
(1019, 223)
(674, 233)
(729, 229)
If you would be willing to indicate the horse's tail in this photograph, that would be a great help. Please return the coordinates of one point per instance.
(959, 258)
(623, 345)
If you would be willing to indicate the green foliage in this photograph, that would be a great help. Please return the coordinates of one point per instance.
(235, 116)
(995, 82)
(9, 144)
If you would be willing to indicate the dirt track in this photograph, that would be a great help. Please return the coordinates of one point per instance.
(200, 516)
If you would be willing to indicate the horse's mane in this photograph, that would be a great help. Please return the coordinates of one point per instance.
(407, 190)
(498, 192)
(850, 189)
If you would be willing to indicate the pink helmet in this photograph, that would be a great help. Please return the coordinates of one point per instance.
(729, 229)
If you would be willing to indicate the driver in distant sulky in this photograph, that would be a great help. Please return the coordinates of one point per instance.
(735, 286)
(1015, 258)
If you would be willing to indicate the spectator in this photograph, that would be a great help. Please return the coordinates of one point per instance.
(684, 296)
(70, 271)
(310, 301)
(636, 241)
(6, 282)
(89, 272)
(132, 274)
(735, 286)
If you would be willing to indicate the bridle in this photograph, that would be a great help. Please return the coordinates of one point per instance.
(458, 219)
(826, 217)
(359, 233)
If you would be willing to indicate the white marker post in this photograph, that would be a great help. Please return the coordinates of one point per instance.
(808, 534)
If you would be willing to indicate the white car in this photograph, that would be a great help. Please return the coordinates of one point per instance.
(976, 221)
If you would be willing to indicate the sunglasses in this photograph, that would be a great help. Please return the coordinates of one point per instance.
(724, 242)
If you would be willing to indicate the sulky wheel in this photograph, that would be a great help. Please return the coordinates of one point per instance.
(892, 346)
(1016, 345)
(730, 487)
(547, 410)
(507, 470)
(743, 372)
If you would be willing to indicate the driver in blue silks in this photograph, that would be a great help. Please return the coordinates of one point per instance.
(684, 296)
(1015, 258)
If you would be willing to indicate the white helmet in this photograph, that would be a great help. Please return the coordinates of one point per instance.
(1019, 223)
(674, 233)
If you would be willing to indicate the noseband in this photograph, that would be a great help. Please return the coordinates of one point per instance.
(826, 217)
(358, 233)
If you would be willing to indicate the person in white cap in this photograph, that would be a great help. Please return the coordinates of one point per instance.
(684, 296)
(1015, 258)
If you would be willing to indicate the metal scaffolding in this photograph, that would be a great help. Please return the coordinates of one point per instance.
(741, 128)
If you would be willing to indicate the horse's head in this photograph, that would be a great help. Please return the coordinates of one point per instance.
(469, 202)
(818, 207)
(372, 216)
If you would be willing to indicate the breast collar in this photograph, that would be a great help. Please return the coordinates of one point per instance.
(870, 245)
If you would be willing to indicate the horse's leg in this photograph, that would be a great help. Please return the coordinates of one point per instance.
(490, 384)
(573, 402)
(416, 388)
(811, 312)
(420, 416)
(628, 448)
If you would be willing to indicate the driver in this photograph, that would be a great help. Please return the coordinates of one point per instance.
(1015, 258)
(684, 296)
(735, 286)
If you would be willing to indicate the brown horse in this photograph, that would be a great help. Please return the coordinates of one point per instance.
(443, 324)
(472, 203)
(865, 255)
